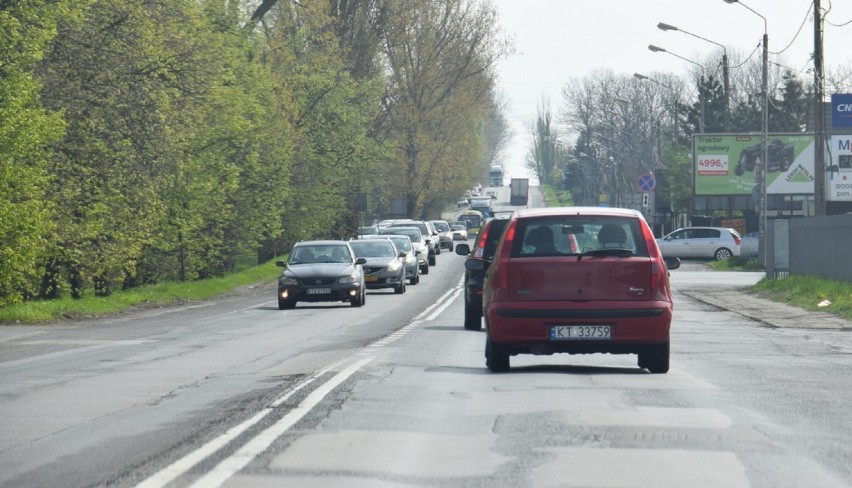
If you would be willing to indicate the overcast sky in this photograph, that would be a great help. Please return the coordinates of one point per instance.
(560, 40)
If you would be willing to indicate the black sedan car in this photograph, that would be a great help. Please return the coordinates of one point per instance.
(483, 249)
(321, 271)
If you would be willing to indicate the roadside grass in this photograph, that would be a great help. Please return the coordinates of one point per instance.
(736, 263)
(810, 293)
(167, 293)
(555, 198)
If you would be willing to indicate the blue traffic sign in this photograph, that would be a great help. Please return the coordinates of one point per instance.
(646, 182)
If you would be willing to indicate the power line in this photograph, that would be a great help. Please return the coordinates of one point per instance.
(807, 14)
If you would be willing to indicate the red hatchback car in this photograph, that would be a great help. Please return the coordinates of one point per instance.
(578, 280)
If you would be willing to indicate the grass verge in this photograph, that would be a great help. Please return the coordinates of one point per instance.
(555, 198)
(810, 293)
(89, 306)
(736, 263)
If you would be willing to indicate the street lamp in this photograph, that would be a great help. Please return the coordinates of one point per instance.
(764, 132)
(725, 75)
(658, 49)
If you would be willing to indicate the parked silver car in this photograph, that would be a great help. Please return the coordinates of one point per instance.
(701, 242)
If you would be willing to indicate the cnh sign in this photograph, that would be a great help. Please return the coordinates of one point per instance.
(841, 110)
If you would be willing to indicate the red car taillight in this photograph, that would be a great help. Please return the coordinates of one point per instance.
(479, 252)
(658, 268)
(737, 239)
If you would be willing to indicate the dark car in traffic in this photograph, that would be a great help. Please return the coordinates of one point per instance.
(577, 280)
(483, 250)
(321, 271)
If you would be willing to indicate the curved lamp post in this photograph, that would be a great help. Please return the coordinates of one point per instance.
(725, 74)
(658, 49)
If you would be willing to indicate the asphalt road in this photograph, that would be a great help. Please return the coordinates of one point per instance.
(236, 393)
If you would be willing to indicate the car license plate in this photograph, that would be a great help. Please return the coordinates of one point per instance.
(318, 291)
(371, 278)
(580, 332)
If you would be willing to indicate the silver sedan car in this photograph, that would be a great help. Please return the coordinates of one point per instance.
(385, 267)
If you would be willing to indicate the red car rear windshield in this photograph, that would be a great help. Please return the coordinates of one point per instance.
(575, 234)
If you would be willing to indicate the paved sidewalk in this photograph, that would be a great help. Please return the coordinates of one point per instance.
(768, 312)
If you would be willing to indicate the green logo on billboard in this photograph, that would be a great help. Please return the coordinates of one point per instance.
(800, 175)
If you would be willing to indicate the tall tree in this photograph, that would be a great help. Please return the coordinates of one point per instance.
(543, 158)
(440, 56)
(331, 114)
(26, 132)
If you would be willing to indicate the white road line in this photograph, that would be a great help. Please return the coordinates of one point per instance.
(437, 303)
(445, 304)
(240, 459)
(244, 455)
(184, 464)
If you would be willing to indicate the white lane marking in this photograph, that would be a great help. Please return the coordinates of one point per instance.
(181, 466)
(442, 304)
(240, 459)
(445, 304)
(184, 464)
(438, 302)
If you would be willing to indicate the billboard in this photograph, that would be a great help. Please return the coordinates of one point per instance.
(841, 110)
(838, 186)
(728, 164)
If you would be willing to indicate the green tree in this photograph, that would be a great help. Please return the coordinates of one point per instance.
(440, 57)
(545, 153)
(790, 113)
(137, 84)
(331, 113)
(26, 132)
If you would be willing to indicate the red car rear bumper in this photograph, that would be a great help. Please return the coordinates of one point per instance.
(530, 323)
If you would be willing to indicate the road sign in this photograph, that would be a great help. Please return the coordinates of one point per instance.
(646, 182)
(646, 200)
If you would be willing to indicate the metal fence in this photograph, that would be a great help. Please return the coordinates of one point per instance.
(815, 246)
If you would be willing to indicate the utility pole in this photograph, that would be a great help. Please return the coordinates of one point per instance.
(726, 75)
(819, 115)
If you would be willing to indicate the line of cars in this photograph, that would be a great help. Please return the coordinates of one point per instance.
(392, 254)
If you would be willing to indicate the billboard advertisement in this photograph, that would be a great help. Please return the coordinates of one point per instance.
(838, 186)
(841, 110)
(728, 164)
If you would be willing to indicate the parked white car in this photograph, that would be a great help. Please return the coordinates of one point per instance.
(701, 242)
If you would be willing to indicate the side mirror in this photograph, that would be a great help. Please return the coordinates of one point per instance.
(474, 265)
(402, 254)
(672, 263)
(361, 261)
(281, 264)
(462, 249)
